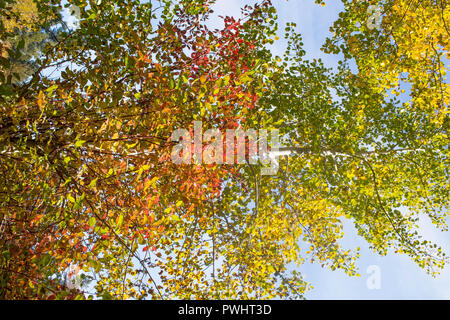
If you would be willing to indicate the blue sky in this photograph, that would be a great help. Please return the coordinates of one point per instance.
(400, 277)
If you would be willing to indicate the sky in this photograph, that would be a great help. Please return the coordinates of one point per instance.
(399, 276)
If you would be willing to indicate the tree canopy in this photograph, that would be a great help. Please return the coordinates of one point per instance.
(87, 181)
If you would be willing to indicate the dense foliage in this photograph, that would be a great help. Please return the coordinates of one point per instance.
(86, 177)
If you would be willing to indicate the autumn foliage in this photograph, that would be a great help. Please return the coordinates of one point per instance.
(86, 178)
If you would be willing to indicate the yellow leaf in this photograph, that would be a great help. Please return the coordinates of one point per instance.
(150, 183)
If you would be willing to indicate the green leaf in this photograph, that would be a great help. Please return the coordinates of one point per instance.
(79, 143)
(91, 222)
(52, 88)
